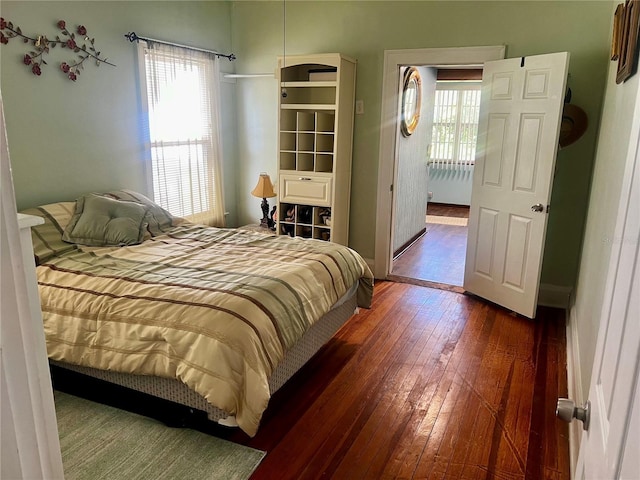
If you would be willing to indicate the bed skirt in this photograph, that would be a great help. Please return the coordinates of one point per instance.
(176, 391)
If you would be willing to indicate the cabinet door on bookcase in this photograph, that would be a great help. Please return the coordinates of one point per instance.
(312, 189)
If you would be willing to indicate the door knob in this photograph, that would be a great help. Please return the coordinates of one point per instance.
(567, 411)
(538, 207)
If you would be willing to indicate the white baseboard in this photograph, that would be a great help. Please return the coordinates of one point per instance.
(557, 296)
(574, 384)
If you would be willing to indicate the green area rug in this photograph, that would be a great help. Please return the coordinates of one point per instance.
(102, 442)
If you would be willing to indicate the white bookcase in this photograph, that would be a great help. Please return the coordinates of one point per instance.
(315, 116)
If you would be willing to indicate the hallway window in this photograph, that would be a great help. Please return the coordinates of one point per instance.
(455, 123)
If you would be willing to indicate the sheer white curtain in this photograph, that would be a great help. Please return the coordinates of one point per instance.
(181, 88)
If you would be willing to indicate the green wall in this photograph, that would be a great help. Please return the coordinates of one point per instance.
(66, 139)
(69, 138)
(363, 30)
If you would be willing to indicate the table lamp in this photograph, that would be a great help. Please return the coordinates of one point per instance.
(264, 190)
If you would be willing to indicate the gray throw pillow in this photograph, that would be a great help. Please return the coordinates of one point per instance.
(159, 220)
(103, 221)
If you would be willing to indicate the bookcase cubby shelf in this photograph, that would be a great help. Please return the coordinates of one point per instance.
(315, 121)
(306, 221)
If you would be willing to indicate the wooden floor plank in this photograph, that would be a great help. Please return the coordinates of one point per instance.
(461, 367)
(379, 405)
(465, 379)
(425, 384)
(366, 443)
(460, 361)
(493, 442)
(401, 416)
(448, 210)
(397, 387)
(342, 403)
(405, 454)
(437, 256)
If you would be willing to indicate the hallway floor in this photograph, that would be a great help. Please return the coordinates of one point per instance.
(439, 255)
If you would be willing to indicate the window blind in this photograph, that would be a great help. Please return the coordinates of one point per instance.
(455, 124)
(182, 94)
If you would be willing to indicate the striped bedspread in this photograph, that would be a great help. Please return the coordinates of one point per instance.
(214, 308)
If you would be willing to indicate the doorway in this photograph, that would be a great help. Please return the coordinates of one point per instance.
(437, 254)
(465, 57)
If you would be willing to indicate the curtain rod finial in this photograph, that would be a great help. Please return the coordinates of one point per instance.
(131, 36)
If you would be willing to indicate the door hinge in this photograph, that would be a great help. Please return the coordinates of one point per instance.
(391, 188)
(522, 62)
(548, 207)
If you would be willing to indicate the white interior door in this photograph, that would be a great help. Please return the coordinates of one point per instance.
(29, 443)
(610, 448)
(520, 115)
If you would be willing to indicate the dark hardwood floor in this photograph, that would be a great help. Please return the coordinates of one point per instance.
(427, 384)
(439, 255)
(447, 210)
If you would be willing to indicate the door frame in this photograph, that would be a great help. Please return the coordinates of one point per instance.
(622, 239)
(387, 162)
(27, 409)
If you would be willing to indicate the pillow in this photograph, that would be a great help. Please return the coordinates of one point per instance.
(47, 238)
(159, 220)
(102, 221)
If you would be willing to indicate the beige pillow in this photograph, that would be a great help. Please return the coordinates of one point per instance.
(47, 238)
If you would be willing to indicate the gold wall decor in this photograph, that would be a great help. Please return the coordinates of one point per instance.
(618, 18)
(411, 101)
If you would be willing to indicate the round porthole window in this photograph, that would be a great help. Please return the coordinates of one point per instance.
(411, 101)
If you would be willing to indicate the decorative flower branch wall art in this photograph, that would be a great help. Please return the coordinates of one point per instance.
(81, 44)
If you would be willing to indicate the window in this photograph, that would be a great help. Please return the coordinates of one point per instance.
(455, 124)
(181, 93)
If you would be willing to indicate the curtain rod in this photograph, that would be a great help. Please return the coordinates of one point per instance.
(132, 37)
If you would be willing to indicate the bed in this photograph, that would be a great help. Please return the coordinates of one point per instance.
(215, 319)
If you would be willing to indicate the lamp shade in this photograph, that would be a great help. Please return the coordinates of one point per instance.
(264, 188)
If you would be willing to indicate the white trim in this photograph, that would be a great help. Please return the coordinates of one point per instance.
(27, 410)
(556, 296)
(393, 60)
(626, 232)
(574, 384)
